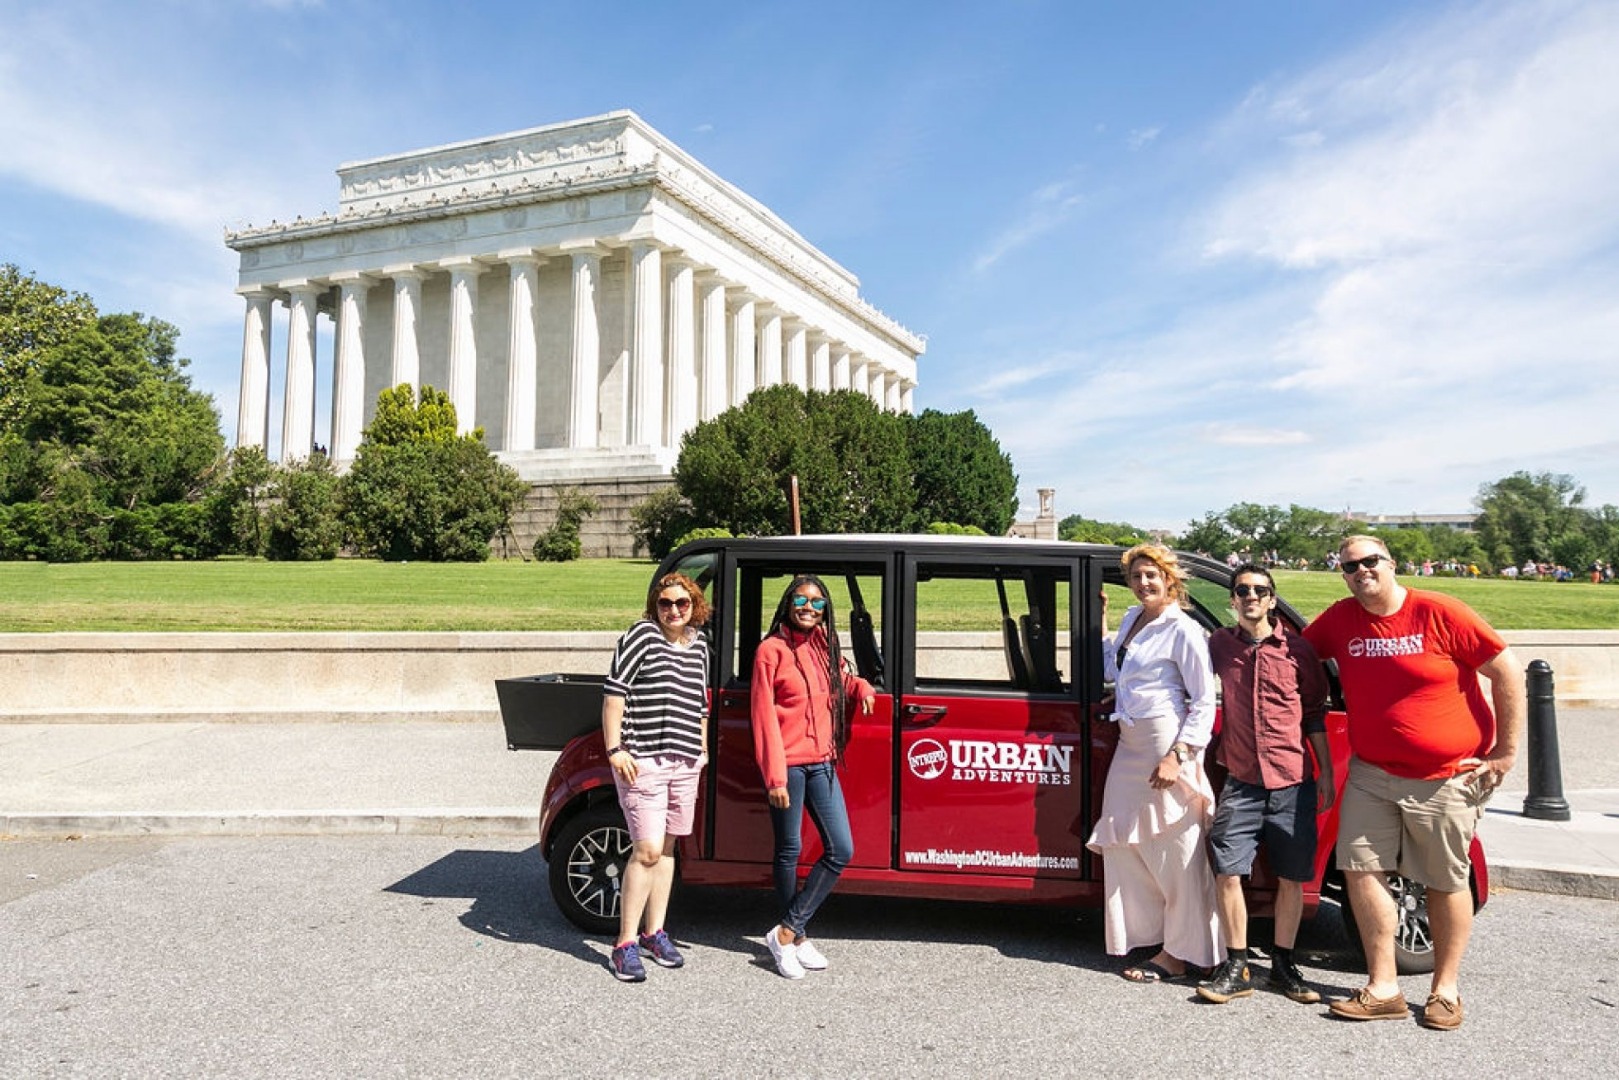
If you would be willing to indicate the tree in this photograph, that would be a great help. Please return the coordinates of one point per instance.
(417, 490)
(113, 401)
(34, 318)
(236, 503)
(850, 459)
(1083, 530)
(1533, 516)
(1299, 532)
(961, 475)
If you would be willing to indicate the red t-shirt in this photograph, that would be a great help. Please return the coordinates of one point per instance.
(1410, 681)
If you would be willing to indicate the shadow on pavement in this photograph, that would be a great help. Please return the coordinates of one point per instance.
(510, 901)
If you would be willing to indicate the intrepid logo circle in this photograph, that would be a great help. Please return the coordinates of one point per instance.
(928, 758)
(1357, 647)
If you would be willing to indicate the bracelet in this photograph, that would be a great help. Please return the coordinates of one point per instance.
(611, 750)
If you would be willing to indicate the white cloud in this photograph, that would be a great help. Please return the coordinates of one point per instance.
(1142, 136)
(1246, 435)
(1044, 210)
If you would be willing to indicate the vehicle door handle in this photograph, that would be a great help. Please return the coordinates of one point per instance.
(924, 715)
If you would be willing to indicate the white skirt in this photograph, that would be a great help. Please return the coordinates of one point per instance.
(1157, 885)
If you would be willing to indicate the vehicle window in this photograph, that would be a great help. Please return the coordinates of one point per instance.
(993, 628)
(856, 592)
(701, 568)
(1213, 601)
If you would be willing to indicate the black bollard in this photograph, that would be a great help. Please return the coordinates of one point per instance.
(1545, 800)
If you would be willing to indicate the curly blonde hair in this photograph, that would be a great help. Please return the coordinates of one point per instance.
(1166, 562)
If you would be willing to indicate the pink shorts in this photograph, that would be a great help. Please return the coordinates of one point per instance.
(663, 800)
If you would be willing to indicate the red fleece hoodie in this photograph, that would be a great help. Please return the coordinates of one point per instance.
(792, 702)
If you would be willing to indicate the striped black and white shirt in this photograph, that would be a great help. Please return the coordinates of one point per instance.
(665, 688)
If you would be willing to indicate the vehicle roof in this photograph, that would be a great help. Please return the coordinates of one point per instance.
(1011, 546)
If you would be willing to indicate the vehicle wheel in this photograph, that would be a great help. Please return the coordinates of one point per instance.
(587, 868)
(1413, 941)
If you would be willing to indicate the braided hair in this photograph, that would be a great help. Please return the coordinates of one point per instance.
(834, 655)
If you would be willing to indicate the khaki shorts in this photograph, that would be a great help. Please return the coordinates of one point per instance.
(1421, 829)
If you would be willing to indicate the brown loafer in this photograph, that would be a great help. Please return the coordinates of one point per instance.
(1442, 1013)
(1363, 1006)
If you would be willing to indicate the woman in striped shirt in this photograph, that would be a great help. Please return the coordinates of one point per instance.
(655, 721)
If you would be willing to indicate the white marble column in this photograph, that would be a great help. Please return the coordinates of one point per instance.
(407, 363)
(859, 374)
(769, 370)
(348, 369)
(906, 387)
(820, 376)
(680, 371)
(253, 404)
(714, 392)
(796, 369)
(584, 366)
(463, 386)
(744, 348)
(646, 344)
(522, 351)
(890, 400)
(840, 369)
(298, 400)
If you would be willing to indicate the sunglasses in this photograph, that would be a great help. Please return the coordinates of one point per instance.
(814, 605)
(1252, 590)
(1350, 566)
(680, 604)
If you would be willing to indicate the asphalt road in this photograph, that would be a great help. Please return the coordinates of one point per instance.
(432, 956)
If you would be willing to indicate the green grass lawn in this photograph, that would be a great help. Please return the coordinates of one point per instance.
(591, 594)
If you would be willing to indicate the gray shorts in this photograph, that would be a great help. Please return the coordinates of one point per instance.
(1284, 817)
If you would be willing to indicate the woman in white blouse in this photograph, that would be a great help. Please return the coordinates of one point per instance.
(1158, 802)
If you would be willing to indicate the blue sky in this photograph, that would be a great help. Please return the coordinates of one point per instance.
(1176, 255)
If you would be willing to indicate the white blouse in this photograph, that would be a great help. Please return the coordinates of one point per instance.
(1165, 672)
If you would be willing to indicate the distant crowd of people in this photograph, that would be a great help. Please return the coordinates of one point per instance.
(1600, 572)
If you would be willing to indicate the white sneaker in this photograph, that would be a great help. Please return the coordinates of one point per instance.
(786, 956)
(809, 957)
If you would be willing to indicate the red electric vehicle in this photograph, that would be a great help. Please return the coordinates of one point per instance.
(980, 772)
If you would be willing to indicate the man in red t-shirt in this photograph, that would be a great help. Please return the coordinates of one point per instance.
(1427, 751)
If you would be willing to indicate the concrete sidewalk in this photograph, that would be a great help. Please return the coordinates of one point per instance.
(233, 778)
(249, 778)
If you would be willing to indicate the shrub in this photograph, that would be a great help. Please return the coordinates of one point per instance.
(702, 534)
(560, 543)
(419, 491)
(305, 524)
(659, 519)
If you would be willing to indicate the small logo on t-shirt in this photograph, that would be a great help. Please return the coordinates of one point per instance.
(1409, 645)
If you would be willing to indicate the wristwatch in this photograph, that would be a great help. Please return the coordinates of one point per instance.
(1182, 752)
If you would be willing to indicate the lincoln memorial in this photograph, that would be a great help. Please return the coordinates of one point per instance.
(585, 293)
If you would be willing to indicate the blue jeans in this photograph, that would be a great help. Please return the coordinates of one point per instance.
(815, 788)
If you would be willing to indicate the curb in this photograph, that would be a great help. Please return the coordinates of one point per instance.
(479, 822)
(1556, 881)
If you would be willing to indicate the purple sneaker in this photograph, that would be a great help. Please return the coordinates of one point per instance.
(625, 964)
(662, 950)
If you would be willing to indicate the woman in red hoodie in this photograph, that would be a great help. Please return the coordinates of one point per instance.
(800, 726)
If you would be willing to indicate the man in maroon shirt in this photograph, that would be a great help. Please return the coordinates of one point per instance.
(1274, 696)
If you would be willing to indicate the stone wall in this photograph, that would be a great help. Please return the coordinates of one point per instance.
(608, 533)
(110, 677)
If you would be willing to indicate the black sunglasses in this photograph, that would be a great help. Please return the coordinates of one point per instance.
(677, 604)
(815, 605)
(1252, 590)
(1349, 566)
